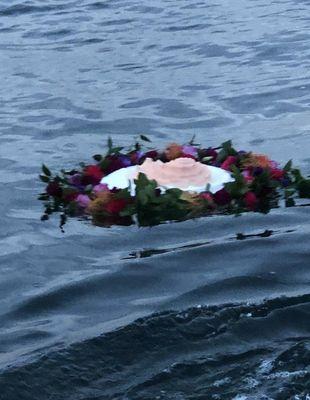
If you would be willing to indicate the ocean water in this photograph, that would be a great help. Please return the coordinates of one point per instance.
(190, 310)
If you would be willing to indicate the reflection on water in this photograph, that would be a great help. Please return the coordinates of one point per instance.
(230, 295)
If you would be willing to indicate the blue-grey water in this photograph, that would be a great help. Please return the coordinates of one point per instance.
(179, 311)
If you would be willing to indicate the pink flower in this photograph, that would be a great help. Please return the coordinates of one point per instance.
(101, 187)
(230, 160)
(83, 200)
(250, 200)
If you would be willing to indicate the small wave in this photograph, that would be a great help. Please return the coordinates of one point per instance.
(202, 352)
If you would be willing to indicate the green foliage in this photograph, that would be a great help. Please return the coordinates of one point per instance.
(145, 138)
(304, 188)
(239, 186)
(226, 150)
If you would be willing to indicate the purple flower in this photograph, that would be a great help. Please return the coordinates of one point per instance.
(189, 150)
(136, 156)
(117, 161)
(257, 171)
(101, 187)
(83, 200)
(75, 180)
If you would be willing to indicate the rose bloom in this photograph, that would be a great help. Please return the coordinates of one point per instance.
(277, 174)
(116, 206)
(92, 175)
(222, 197)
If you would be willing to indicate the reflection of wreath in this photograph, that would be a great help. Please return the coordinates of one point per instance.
(193, 181)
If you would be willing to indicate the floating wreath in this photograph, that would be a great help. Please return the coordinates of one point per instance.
(147, 186)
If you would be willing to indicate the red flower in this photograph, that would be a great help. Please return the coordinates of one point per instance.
(222, 197)
(68, 197)
(276, 173)
(250, 200)
(92, 175)
(116, 206)
(230, 160)
(54, 189)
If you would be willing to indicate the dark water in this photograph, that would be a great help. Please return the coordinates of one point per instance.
(180, 311)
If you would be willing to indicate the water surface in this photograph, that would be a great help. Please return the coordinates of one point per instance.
(216, 308)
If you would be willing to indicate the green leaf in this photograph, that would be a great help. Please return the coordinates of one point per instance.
(288, 166)
(304, 188)
(97, 157)
(44, 178)
(45, 170)
(43, 196)
(145, 138)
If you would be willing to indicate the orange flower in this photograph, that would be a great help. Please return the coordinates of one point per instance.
(173, 151)
(257, 160)
(97, 206)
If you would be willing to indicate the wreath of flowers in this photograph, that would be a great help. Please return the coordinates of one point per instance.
(259, 184)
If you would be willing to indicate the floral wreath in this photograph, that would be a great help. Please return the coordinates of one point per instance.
(257, 184)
